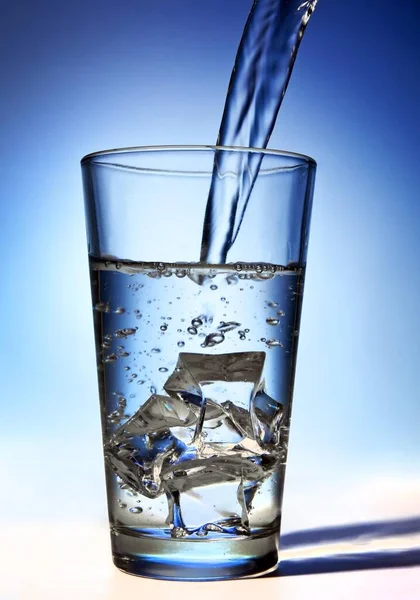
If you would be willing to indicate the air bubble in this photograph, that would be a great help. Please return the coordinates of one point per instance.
(178, 532)
(124, 333)
(232, 279)
(126, 368)
(163, 370)
(192, 330)
(136, 510)
(272, 304)
(155, 350)
(161, 266)
(110, 358)
(213, 339)
(229, 326)
(140, 382)
(119, 311)
(103, 307)
(272, 321)
(259, 268)
(118, 265)
(274, 343)
(152, 389)
(197, 322)
(214, 527)
(238, 267)
(202, 532)
(163, 327)
(213, 287)
(181, 344)
(281, 313)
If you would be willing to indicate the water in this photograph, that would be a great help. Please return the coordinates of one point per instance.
(263, 66)
(195, 385)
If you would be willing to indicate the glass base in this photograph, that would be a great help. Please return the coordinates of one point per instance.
(199, 560)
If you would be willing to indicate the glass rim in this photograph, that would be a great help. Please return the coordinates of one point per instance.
(302, 158)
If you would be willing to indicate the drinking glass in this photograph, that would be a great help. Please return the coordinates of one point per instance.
(195, 361)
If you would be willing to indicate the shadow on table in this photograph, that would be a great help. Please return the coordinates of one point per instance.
(341, 548)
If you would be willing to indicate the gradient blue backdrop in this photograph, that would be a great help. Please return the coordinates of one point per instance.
(79, 77)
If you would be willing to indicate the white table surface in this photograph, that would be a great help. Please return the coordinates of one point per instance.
(72, 561)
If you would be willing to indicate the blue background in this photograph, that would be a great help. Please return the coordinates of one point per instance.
(79, 77)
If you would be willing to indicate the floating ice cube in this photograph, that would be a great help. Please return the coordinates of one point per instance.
(138, 449)
(138, 460)
(222, 475)
(194, 370)
(209, 471)
(159, 413)
(267, 417)
(227, 380)
(245, 494)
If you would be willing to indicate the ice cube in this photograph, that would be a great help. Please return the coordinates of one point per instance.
(233, 478)
(194, 370)
(227, 380)
(209, 471)
(160, 413)
(267, 418)
(245, 494)
(138, 460)
(140, 448)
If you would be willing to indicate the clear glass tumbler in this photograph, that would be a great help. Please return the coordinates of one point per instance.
(195, 361)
